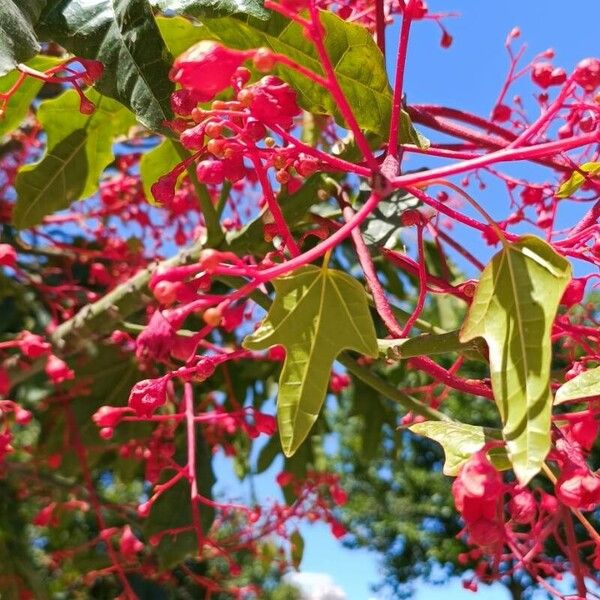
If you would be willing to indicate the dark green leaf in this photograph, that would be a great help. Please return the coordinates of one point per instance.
(460, 441)
(213, 8)
(317, 313)
(585, 385)
(358, 64)
(18, 41)
(21, 100)
(513, 310)
(79, 147)
(577, 179)
(123, 35)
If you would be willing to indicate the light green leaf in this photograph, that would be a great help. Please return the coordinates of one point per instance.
(156, 163)
(585, 385)
(460, 441)
(358, 64)
(19, 103)
(123, 35)
(577, 179)
(212, 8)
(179, 34)
(317, 313)
(18, 41)
(513, 310)
(79, 147)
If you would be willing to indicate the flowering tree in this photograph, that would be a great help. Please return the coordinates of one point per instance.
(200, 198)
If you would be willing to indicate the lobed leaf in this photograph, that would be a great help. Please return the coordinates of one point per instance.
(123, 35)
(460, 441)
(513, 310)
(79, 147)
(585, 385)
(18, 40)
(317, 313)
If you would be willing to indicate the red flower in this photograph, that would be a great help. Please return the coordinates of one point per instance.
(273, 101)
(8, 256)
(58, 370)
(33, 346)
(523, 507)
(207, 68)
(129, 543)
(578, 488)
(148, 395)
(110, 416)
(157, 339)
(587, 74)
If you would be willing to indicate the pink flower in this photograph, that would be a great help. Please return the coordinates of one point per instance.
(57, 370)
(4, 382)
(33, 346)
(207, 68)
(148, 395)
(273, 101)
(110, 416)
(8, 256)
(587, 74)
(523, 507)
(129, 544)
(578, 488)
(157, 339)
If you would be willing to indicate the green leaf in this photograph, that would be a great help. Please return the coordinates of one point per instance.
(123, 35)
(156, 163)
(179, 34)
(212, 8)
(18, 41)
(317, 313)
(585, 385)
(358, 63)
(19, 103)
(79, 147)
(297, 548)
(460, 441)
(577, 179)
(513, 310)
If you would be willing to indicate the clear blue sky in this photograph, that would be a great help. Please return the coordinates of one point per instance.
(468, 75)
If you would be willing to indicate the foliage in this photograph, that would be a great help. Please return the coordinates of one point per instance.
(204, 209)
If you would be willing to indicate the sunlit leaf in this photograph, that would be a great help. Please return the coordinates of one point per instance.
(513, 310)
(317, 313)
(19, 103)
(79, 148)
(577, 179)
(212, 8)
(585, 385)
(460, 441)
(179, 34)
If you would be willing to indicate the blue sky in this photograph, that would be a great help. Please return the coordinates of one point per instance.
(468, 75)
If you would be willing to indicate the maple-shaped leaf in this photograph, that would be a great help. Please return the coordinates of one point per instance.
(317, 313)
